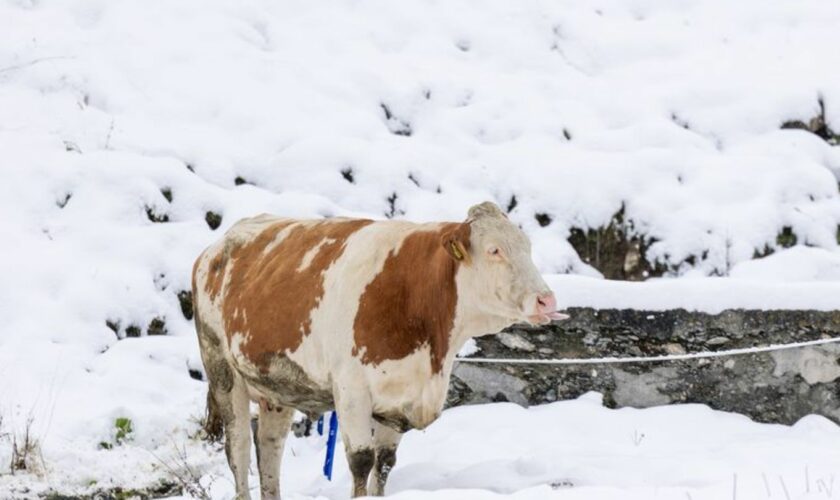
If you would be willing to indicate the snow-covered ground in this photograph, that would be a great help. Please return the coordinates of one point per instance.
(115, 112)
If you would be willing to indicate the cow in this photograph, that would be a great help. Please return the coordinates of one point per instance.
(361, 316)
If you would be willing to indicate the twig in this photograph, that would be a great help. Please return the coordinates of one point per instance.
(735, 486)
(186, 476)
(32, 63)
(807, 481)
(784, 487)
(828, 487)
(108, 137)
(766, 485)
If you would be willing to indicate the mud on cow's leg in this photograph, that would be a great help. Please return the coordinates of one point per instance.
(272, 427)
(361, 462)
(227, 401)
(356, 425)
(233, 406)
(385, 441)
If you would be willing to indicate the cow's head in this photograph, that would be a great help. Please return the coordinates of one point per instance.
(500, 277)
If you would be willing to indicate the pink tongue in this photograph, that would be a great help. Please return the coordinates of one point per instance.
(557, 315)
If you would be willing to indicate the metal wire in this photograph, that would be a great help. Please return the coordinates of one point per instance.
(651, 359)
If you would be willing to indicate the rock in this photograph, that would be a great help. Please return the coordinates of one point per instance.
(818, 365)
(515, 342)
(492, 383)
(642, 391)
(717, 341)
(185, 300)
(157, 326)
(673, 349)
(213, 220)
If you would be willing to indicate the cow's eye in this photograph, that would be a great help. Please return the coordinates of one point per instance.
(494, 251)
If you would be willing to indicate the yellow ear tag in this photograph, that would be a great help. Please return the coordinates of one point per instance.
(456, 251)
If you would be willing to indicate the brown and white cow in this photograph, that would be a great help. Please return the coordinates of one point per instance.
(364, 317)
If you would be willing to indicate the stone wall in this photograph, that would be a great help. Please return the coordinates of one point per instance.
(778, 387)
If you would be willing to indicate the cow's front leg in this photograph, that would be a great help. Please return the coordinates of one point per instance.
(356, 424)
(385, 442)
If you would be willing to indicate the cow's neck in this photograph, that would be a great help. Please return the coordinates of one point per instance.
(470, 322)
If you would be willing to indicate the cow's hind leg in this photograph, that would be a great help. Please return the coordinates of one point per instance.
(272, 427)
(234, 407)
(227, 400)
(385, 442)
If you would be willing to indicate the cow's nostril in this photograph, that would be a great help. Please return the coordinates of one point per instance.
(546, 303)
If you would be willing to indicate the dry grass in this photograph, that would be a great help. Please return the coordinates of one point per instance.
(26, 451)
(183, 474)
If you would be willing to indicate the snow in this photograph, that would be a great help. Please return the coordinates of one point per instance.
(581, 450)
(669, 110)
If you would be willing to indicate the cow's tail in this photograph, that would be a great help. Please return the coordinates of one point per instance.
(213, 427)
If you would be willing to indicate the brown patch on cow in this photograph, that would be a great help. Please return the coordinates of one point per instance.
(215, 275)
(218, 264)
(267, 299)
(411, 302)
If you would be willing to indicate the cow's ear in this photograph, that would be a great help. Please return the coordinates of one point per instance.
(456, 242)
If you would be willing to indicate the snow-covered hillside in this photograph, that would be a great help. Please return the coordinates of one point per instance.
(132, 134)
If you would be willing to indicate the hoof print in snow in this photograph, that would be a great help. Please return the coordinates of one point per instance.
(616, 250)
(679, 121)
(157, 326)
(543, 219)
(413, 179)
(567, 134)
(196, 374)
(239, 180)
(61, 203)
(190, 167)
(185, 299)
(786, 237)
(156, 217)
(72, 147)
(396, 125)
(167, 194)
(347, 173)
(512, 204)
(213, 220)
(563, 483)
(463, 45)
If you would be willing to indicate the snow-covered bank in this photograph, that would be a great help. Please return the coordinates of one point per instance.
(711, 295)
(797, 278)
(568, 450)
